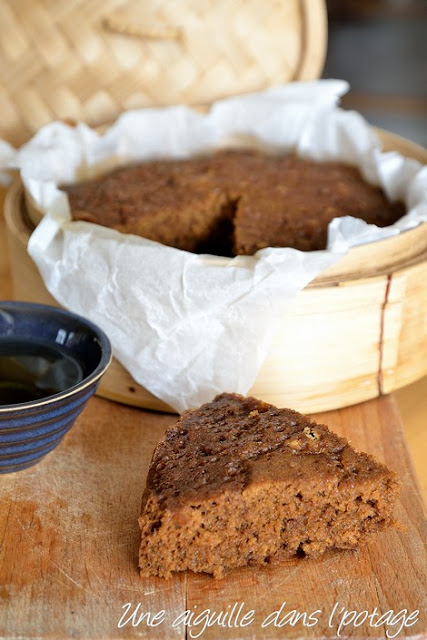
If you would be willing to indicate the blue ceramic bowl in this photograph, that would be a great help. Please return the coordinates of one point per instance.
(51, 362)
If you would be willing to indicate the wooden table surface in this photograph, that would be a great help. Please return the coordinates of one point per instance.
(69, 542)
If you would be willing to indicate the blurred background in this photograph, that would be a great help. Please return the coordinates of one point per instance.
(380, 48)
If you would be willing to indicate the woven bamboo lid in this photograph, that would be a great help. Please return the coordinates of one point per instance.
(92, 59)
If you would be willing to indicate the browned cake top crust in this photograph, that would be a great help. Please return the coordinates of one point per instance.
(232, 202)
(233, 441)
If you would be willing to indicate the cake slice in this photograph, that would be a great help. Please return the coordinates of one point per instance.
(239, 482)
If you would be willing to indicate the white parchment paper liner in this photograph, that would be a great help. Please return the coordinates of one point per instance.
(188, 326)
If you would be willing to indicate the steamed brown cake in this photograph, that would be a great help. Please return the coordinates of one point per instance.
(232, 202)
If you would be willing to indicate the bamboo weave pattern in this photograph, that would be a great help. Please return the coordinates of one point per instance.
(92, 59)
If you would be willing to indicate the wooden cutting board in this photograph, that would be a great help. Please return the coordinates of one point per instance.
(69, 543)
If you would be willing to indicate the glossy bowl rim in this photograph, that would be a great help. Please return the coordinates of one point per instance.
(104, 361)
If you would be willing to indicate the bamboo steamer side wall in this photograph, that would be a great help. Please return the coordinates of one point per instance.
(327, 351)
(409, 362)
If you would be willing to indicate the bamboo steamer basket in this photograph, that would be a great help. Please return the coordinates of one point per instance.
(358, 330)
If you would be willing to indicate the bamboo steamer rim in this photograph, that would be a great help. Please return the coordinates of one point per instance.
(92, 61)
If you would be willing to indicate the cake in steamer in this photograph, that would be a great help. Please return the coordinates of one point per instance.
(232, 202)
